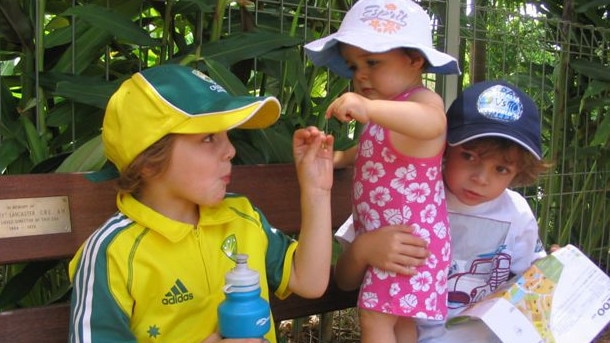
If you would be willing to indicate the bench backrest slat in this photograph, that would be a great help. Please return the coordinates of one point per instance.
(274, 189)
(48, 324)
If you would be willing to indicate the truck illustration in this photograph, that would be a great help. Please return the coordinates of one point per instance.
(483, 277)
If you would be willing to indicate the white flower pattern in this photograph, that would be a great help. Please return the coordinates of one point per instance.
(431, 301)
(394, 289)
(358, 189)
(428, 214)
(372, 171)
(368, 216)
(421, 281)
(417, 192)
(387, 155)
(366, 148)
(380, 196)
(403, 178)
(392, 216)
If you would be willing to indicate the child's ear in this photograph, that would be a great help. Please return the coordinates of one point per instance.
(419, 60)
(148, 171)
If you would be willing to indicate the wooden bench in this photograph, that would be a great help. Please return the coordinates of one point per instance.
(272, 188)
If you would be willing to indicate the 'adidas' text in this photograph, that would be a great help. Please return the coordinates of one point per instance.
(177, 294)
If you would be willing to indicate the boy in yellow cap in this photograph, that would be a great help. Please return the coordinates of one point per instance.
(165, 129)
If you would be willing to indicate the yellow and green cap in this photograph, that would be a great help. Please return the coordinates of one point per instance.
(171, 98)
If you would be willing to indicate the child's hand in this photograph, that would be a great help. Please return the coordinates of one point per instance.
(313, 157)
(393, 248)
(348, 107)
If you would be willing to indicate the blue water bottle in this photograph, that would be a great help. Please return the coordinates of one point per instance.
(243, 313)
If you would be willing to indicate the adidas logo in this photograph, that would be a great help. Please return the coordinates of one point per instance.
(177, 294)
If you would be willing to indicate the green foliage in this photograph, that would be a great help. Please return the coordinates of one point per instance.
(86, 51)
(33, 284)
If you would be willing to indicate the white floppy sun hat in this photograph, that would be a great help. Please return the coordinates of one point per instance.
(379, 26)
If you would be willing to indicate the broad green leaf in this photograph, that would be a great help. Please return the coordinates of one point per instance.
(8, 105)
(15, 26)
(37, 145)
(94, 93)
(89, 157)
(223, 76)
(276, 140)
(188, 6)
(602, 134)
(592, 69)
(286, 65)
(63, 35)
(13, 130)
(89, 46)
(246, 153)
(21, 284)
(106, 19)
(10, 150)
(241, 46)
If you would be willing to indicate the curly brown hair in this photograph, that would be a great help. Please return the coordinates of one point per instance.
(149, 163)
(530, 167)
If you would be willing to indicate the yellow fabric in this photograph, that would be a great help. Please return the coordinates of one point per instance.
(162, 280)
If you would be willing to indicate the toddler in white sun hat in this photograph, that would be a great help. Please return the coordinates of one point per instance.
(385, 47)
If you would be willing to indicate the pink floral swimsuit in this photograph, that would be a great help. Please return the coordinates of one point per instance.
(391, 188)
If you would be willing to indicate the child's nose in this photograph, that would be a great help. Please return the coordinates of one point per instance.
(360, 74)
(480, 175)
(230, 151)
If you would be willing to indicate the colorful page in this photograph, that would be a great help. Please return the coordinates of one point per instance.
(562, 298)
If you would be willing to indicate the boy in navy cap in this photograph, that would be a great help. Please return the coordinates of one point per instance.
(493, 144)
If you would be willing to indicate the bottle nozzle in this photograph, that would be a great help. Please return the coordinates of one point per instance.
(241, 260)
(241, 277)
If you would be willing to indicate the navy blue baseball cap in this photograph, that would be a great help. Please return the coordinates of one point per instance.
(495, 109)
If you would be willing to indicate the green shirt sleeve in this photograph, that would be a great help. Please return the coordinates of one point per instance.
(278, 259)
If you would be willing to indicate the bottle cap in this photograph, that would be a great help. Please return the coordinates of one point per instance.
(241, 278)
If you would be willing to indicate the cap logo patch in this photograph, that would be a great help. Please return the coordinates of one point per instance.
(213, 85)
(500, 103)
(387, 19)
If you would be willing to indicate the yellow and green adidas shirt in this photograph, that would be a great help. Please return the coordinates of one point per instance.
(143, 277)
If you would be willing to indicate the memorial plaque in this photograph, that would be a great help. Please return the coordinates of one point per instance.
(34, 216)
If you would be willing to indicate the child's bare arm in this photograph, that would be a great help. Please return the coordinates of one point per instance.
(313, 154)
(344, 158)
(418, 125)
(422, 116)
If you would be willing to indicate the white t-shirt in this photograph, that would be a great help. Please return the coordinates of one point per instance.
(489, 242)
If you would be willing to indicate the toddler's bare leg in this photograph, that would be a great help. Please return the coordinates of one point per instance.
(406, 330)
(377, 327)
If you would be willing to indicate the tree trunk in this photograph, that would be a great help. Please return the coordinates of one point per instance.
(478, 65)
